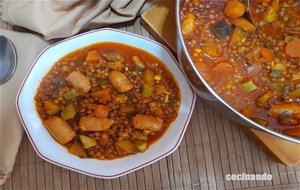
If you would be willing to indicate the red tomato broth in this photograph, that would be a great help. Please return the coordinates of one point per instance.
(104, 142)
(235, 64)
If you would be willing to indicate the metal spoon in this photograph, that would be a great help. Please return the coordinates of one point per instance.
(8, 59)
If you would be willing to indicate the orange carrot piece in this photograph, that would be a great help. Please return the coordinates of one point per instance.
(100, 93)
(292, 132)
(293, 48)
(101, 111)
(267, 53)
(147, 100)
(248, 112)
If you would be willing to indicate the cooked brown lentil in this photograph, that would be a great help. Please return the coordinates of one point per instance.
(255, 70)
(110, 104)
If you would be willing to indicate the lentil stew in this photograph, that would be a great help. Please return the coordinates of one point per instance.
(107, 100)
(256, 73)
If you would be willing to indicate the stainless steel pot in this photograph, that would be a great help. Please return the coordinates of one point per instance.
(206, 92)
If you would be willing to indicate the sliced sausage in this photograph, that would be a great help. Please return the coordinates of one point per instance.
(79, 81)
(60, 129)
(147, 122)
(95, 124)
(119, 81)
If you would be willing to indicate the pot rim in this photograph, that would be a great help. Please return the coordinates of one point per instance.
(253, 124)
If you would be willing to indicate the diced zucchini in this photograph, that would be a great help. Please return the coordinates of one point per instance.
(71, 95)
(157, 77)
(279, 66)
(51, 108)
(270, 15)
(87, 142)
(249, 86)
(77, 149)
(69, 112)
(141, 145)
(296, 76)
(126, 145)
(148, 76)
(141, 136)
(147, 90)
(295, 92)
(263, 100)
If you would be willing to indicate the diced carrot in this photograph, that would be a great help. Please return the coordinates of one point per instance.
(248, 112)
(101, 93)
(293, 48)
(223, 69)
(77, 149)
(275, 5)
(147, 100)
(92, 56)
(101, 111)
(234, 9)
(245, 25)
(267, 53)
(292, 132)
(210, 49)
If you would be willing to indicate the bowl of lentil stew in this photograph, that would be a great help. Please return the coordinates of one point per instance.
(244, 72)
(105, 103)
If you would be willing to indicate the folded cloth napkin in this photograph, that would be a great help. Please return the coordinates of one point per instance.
(10, 127)
(52, 19)
(59, 19)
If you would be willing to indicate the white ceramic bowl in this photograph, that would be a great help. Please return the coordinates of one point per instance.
(48, 149)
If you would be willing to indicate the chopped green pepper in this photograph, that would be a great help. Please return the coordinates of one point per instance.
(71, 95)
(69, 112)
(249, 86)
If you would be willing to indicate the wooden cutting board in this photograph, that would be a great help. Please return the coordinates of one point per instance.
(160, 22)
